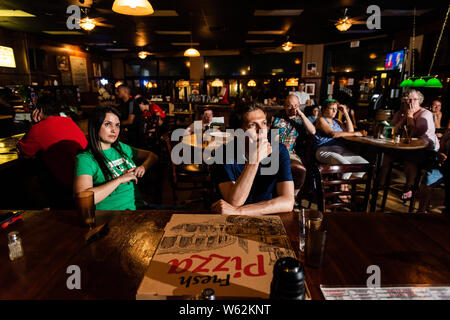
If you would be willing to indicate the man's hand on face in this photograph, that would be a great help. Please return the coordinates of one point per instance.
(259, 147)
(298, 112)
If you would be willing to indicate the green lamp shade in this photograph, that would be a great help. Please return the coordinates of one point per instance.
(433, 83)
(406, 83)
(419, 83)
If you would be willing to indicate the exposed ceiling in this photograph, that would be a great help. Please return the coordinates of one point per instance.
(216, 24)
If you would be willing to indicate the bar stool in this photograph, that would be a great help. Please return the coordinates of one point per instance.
(387, 186)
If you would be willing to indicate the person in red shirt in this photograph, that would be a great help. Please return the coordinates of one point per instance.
(149, 120)
(55, 141)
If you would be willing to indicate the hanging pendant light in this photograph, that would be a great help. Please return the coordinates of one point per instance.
(406, 83)
(434, 83)
(192, 52)
(133, 7)
(418, 83)
(426, 81)
(251, 83)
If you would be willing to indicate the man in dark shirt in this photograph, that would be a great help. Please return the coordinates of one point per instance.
(245, 185)
(126, 107)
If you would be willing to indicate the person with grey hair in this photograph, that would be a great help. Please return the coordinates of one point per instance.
(292, 124)
(419, 123)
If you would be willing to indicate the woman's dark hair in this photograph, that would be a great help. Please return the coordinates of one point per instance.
(237, 117)
(47, 104)
(95, 123)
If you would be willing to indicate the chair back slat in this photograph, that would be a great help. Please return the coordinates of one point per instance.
(330, 176)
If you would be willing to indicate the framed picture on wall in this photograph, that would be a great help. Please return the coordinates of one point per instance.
(97, 68)
(62, 63)
(310, 88)
(311, 68)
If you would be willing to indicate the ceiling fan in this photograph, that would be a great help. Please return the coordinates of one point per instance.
(90, 18)
(345, 22)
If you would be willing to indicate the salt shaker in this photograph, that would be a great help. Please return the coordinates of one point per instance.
(15, 245)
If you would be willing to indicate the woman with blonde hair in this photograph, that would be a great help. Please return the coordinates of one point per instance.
(419, 123)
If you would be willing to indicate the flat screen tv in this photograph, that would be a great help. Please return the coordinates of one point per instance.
(394, 60)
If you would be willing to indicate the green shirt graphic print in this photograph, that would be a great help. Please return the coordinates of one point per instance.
(126, 196)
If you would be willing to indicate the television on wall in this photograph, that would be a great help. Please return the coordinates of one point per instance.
(394, 60)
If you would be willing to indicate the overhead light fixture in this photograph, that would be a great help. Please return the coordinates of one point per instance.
(243, 72)
(15, 13)
(287, 46)
(87, 24)
(297, 61)
(188, 64)
(7, 57)
(143, 54)
(292, 82)
(343, 23)
(427, 81)
(373, 56)
(206, 65)
(133, 7)
(182, 84)
(192, 52)
(217, 83)
(251, 83)
(421, 82)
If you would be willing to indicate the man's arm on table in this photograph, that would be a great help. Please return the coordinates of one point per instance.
(284, 202)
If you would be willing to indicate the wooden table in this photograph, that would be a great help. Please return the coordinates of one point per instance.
(410, 249)
(381, 146)
(193, 140)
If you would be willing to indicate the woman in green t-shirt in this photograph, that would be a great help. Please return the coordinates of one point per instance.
(107, 166)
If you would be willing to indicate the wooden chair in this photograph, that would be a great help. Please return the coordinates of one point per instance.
(188, 176)
(331, 181)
